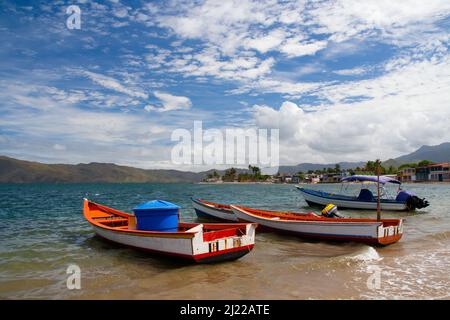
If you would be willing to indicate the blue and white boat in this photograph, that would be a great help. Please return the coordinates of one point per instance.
(365, 199)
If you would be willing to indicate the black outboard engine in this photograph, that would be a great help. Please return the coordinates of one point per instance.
(413, 202)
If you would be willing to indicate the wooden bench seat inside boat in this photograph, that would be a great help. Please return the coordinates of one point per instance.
(116, 222)
(95, 214)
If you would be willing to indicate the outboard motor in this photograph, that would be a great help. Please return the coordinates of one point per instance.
(331, 211)
(413, 202)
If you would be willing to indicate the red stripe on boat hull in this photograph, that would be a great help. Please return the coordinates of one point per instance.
(223, 255)
(210, 257)
(373, 241)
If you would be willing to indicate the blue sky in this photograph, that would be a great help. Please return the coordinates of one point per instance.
(342, 80)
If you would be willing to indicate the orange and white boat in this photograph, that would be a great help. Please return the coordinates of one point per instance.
(202, 243)
(310, 225)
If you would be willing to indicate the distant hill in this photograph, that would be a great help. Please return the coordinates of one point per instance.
(13, 170)
(390, 163)
(20, 171)
(439, 153)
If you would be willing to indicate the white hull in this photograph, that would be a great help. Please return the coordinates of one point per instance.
(353, 204)
(365, 231)
(214, 212)
(183, 246)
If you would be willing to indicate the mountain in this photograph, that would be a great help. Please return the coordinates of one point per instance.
(21, 171)
(439, 153)
(390, 163)
(13, 170)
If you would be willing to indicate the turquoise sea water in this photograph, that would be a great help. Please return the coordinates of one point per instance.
(42, 231)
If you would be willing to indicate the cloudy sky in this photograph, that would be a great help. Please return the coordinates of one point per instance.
(342, 80)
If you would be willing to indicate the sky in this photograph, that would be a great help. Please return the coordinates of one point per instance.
(341, 80)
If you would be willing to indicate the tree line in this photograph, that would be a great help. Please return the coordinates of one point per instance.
(255, 175)
(231, 175)
(368, 169)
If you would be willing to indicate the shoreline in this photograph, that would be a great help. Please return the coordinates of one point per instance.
(317, 183)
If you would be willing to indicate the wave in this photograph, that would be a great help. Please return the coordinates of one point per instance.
(367, 254)
(439, 235)
(360, 258)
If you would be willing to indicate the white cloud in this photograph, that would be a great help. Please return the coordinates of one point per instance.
(209, 62)
(351, 72)
(293, 48)
(170, 102)
(411, 80)
(59, 147)
(113, 84)
(405, 109)
(121, 12)
(84, 135)
(149, 108)
(267, 42)
(229, 30)
(344, 19)
(38, 97)
(278, 86)
(120, 24)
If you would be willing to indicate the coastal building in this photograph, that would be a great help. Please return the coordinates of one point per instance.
(436, 172)
(295, 178)
(331, 178)
(287, 178)
(422, 174)
(283, 178)
(312, 178)
(439, 172)
(407, 175)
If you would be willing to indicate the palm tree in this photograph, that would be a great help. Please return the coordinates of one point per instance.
(370, 166)
(337, 168)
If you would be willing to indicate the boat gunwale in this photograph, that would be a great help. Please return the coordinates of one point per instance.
(146, 233)
(213, 205)
(323, 220)
(383, 241)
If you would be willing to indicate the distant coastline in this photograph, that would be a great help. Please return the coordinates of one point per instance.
(22, 171)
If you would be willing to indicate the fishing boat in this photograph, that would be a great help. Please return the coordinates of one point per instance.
(203, 243)
(403, 200)
(211, 210)
(311, 225)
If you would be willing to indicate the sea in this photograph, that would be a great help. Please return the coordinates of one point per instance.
(43, 235)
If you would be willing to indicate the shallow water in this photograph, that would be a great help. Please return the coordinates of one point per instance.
(42, 231)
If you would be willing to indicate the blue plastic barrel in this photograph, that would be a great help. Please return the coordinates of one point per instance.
(157, 215)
